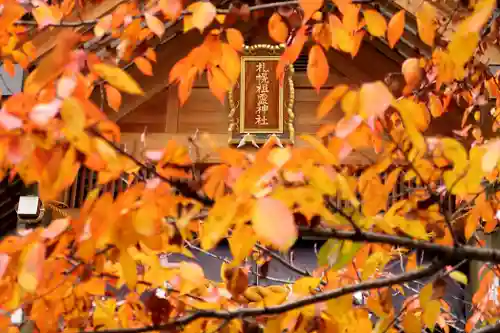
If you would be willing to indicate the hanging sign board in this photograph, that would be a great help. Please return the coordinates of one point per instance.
(259, 106)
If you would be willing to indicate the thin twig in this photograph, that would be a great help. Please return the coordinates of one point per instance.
(285, 307)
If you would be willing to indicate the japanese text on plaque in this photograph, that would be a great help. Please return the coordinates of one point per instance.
(262, 88)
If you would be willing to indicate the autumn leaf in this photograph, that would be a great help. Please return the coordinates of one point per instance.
(431, 313)
(396, 28)
(411, 323)
(202, 14)
(375, 23)
(31, 267)
(330, 100)
(273, 223)
(118, 78)
(412, 74)
(144, 66)
(235, 39)
(129, 268)
(317, 67)
(426, 23)
(278, 29)
(154, 24)
(310, 7)
(374, 99)
(113, 97)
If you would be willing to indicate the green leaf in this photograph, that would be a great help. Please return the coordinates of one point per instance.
(337, 254)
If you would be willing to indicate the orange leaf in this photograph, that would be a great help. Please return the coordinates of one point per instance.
(273, 222)
(186, 85)
(113, 96)
(235, 39)
(317, 67)
(144, 66)
(154, 24)
(150, 54)
(12, 11)
(310, 7)
(396, 28)
(426, 23)
(9, 67)
(412, 73)
(278, 30)
(55, 228)
(329, 102)
(219, 83)
(31, 266)
(230, 63)
(435, 106)
(291, 53)
(375, 23)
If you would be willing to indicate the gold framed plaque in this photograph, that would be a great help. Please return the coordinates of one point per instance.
(259, 106)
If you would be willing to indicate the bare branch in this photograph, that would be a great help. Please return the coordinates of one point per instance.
(278, 309)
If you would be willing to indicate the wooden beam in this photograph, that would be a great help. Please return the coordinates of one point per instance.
(160, 140)
(172, 121)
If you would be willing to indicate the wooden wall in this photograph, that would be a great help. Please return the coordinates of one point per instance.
(165, 119)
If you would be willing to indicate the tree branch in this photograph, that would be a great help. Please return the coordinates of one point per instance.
(460, 252)
(282, 308)
(182, 187)
(488, 329)
(283, 262)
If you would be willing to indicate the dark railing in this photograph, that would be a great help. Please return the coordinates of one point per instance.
(10, 191)
(86, 181)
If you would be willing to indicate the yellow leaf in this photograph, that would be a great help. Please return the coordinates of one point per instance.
(425, 294)
(459, 276)
(118, 78)
(475, 21)
(73, 115)
(330, 100)
(203, 13)
(129, 268)
(426, 23)
(219, 220)
(431, 313)
(411, 324)
(104, 313)
(273, 222)
(462, 48)
(329, 158)
(375, 23)
(192, 276)
(408, 109)
(31, 266)
(278, 29)
(317, 67)
(235, 39)
(154, 24)
(241, 242)
(374, 99)
(396, 28)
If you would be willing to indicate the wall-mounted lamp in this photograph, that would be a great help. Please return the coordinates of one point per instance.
(30, 210)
